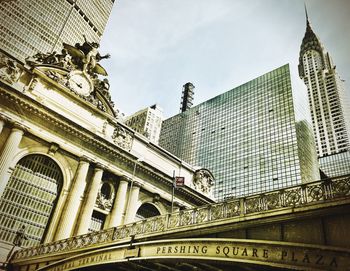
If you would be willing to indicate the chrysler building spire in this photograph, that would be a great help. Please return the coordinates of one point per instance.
(328, 104)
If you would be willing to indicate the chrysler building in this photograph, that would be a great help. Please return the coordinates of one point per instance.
(328, 105)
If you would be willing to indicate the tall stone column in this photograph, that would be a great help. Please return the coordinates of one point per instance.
(132, 203)
(84, 220)
(71, 208)
(116, 215)
(2, 124)
(8, 152)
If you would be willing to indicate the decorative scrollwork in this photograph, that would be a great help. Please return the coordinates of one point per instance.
(315, 193)
(252, 205)
(217, 211)
(137, 228)
(148, 227)
(159, 224)
(272, 201)
(233, 208)
(122, 138)
(293, 197)
(126, 231)
(187, 218)
(174, 220)
(299, 195)
(201, 215)
(117, 234)
(341, 188)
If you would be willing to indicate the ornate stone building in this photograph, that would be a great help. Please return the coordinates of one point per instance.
(67, 165)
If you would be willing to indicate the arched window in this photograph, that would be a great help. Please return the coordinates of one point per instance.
(29, 198)
(146, 210)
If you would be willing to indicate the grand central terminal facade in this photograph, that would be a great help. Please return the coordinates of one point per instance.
(67, 165)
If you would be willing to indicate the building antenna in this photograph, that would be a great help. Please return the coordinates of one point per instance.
(307, 16)
(63, 26)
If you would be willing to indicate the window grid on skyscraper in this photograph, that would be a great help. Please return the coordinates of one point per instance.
(246, 137)
(28, 27)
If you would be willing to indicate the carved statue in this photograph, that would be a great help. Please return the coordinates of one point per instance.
(81, 56)
(86, 57)
(9, 71)
(63, 60)
(122, 138)
(203, 181)
(103, 202)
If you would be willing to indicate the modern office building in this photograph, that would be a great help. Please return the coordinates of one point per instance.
(248, 137)
(147, 122)
(31, 26)
(328, 105)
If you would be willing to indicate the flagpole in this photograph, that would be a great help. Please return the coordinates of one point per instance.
(173, 194)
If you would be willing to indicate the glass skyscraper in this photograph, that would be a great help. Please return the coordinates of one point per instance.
(31, 26)
(248, 137)
(328, 105)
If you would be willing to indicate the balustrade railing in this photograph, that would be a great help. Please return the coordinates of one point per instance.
(295, 196)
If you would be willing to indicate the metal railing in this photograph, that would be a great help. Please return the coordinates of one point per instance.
(301, 195)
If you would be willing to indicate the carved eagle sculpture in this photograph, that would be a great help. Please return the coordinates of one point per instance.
(80, 56)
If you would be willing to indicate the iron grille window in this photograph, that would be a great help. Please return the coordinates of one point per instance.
(29, 198)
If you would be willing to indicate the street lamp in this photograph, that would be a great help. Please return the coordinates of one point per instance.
(17, 242)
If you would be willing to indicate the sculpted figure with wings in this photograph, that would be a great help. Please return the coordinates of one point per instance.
(86, 57)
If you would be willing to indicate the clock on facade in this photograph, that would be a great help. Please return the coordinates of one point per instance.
(80, 83)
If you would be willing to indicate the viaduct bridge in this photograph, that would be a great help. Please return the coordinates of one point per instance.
(303, 227)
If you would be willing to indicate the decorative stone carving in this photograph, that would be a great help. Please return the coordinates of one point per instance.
(102, 86)
(156, 198)
(33, 84)
(77, 69)
(122, 137)
(104, 127)
(103, 201)
(9, 70)
(56, 76)
(53, 148)
(63, 60)
(203, 181)
(86, 57)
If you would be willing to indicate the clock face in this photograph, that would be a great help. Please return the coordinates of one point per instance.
(80, 84)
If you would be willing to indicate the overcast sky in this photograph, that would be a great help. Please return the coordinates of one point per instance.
(159, 45)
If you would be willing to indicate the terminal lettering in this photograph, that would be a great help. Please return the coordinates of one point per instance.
(287, 256)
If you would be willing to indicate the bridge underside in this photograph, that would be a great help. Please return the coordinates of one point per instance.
(181, 265)
(211, 254)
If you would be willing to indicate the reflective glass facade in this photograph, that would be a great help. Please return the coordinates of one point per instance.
(31, 26)
(336, 164)
(247, 137)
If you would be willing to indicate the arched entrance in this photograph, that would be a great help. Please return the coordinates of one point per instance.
(29, 198)
(146, 210)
